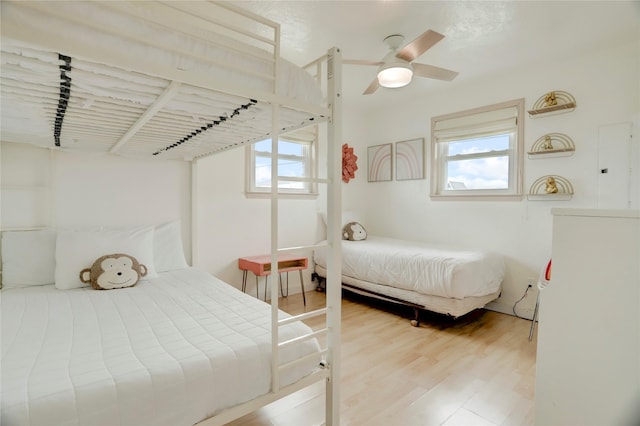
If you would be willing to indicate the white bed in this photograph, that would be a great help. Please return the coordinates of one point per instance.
(443, 279)
(171, 80)
(172, 350)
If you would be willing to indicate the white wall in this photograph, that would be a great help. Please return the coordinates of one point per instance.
(230, 225)
(606, 87)
(79, 189)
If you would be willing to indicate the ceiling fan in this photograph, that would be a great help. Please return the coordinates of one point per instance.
(397, 67)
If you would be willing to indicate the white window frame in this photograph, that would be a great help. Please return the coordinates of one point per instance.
(502, 118)
(310, 190)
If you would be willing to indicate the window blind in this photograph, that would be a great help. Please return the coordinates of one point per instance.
(482, 124)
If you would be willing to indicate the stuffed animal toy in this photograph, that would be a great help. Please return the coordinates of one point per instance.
(113, 271)
(353, 231)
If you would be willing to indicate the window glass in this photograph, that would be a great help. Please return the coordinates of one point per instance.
(488, 169)
(478, 152)
(294, 160)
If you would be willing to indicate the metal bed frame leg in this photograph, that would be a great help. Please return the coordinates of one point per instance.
(415, 322)
(535, 317)
(320, 280)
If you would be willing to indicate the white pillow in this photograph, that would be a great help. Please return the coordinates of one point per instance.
(77, 250)
(28, 258)
(168, 252)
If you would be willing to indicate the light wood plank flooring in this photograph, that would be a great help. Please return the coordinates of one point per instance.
(477, 370)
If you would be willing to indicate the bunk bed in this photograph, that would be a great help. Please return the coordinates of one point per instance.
(444, 279)
(168, 81)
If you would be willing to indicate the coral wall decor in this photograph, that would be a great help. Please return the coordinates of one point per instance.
(349, 165)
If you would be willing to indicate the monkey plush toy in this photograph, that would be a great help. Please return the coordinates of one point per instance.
(353, 231)
(116, 270)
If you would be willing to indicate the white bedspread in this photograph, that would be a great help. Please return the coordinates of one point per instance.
(171, 350)
(420, 267)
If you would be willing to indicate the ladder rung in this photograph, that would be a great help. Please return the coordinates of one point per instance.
(302, 317)
(298, 248)
(303, 359)
(303, 338)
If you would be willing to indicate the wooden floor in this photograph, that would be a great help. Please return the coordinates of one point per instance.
(477, 370)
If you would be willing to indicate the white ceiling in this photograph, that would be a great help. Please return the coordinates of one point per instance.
(481, 37)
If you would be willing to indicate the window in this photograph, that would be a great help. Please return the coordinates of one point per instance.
(478, 153)
(295, 159)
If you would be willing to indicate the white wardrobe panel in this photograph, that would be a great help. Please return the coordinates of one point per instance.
(588, 360)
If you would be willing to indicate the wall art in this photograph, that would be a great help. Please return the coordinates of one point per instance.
(410, 159)
(379, 161)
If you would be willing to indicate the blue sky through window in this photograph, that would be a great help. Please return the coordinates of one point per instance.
(286, 167)
(487, 172)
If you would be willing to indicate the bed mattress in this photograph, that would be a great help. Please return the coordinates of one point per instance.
(443, 305)
(420, 267)
(144, 90)
(172, 350)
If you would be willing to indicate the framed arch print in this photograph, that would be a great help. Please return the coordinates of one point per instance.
(379, 162)
(410, 159)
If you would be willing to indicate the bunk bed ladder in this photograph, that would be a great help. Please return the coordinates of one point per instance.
(334, 239)
(332, 312)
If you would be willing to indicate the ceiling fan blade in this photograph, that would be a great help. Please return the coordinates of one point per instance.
(360, 62)
(424, 70)
(372, 87)
(420, 45)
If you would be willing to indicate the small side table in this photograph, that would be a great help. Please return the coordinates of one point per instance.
(261, 267)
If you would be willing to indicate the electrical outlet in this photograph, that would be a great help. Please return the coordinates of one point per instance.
(531, 281)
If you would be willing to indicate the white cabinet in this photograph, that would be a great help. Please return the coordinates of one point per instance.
(588, 361)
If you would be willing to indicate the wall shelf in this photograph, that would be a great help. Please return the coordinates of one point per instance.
(540, 189)
(552, 103)
(549, 197)
(552, 145)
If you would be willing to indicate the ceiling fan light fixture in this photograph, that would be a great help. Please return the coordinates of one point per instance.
(395, 75)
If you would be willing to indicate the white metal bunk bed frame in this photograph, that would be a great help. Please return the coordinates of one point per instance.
(333, 113)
